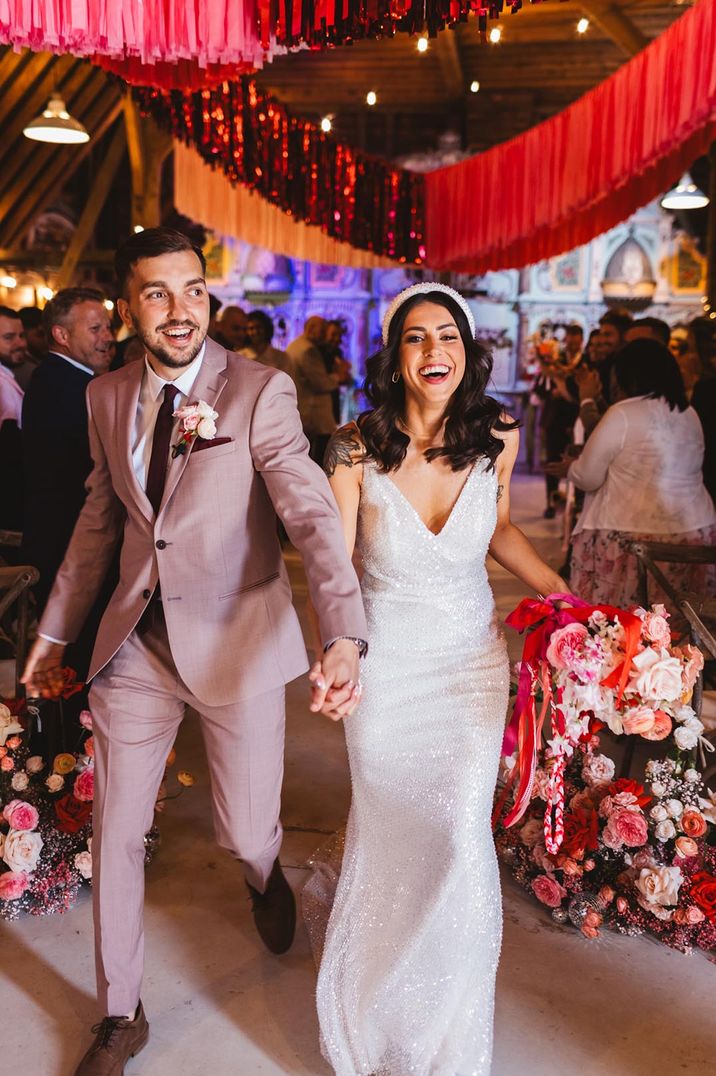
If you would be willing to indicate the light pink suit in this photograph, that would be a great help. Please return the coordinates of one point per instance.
(229, 639)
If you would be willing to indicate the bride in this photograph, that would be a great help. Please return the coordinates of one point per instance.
(406, 984)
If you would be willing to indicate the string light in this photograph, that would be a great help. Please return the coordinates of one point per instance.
(495, 35)
(108, 305)
(45, 293)
(474, 86)
(326, 124)
(582, 26)
(7, 281)
(371, 98)
(422, 44)
(138, 228)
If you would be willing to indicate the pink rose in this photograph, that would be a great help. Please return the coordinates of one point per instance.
(638, 721)
(686, 847)
(565, 644)
(548, 891)
(86, 719)
(84, 785)
(589, 865)
(13, 884)
(625, 827)
(661, 728)
(35, 764)
(656, 627)
(20, 815)
(643, 858)
(694, 915)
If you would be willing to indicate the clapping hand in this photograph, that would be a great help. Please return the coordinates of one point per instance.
(589, 383)
(335, 683)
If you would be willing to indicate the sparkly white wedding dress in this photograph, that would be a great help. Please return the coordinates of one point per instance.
(406, 985)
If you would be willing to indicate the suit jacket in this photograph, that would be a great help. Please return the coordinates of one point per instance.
(314, 385)
(57, 463)
(213, 547)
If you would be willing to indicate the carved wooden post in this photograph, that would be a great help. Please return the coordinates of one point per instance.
(148, 147)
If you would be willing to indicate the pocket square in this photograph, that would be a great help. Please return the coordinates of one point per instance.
(200, 445)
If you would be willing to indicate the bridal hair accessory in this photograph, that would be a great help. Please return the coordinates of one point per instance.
(197, 420)
(422, 289)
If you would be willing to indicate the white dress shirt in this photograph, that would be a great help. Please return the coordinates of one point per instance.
(150, 400)
(641, 469)
(73, 362)
(10, 397)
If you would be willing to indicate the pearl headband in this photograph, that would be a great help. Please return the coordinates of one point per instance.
(423, 289)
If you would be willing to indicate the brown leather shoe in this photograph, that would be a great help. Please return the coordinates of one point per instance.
(275, 912)
(116, 1040)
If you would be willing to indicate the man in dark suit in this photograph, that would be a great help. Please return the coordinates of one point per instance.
(55, 441)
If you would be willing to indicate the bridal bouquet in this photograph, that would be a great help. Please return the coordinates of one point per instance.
(638, 857)
(584, 662)
(46, 818)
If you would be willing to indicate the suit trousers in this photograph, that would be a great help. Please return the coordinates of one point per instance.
(138, 702)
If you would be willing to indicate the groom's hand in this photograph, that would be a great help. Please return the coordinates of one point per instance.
(335, 686)
(43, 671)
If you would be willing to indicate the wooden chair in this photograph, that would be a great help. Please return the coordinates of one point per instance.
(698, 610)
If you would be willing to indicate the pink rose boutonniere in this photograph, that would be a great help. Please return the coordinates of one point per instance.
(197, 420)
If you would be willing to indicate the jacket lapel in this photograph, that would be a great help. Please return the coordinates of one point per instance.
(127, 403)
(208, 387)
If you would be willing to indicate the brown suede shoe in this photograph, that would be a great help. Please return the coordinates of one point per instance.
(275, 912)
(116, 1040)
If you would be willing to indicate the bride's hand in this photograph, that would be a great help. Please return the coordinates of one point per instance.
(335, 688)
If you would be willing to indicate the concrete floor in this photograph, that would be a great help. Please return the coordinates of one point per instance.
(219, 1004)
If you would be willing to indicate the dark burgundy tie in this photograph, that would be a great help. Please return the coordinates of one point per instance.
(157, 473)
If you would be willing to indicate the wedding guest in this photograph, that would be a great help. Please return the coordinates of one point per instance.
(648, 329)
(35, 338)
(215, 305)
(12, 355)
(641, 471)
(595, 392)
(57, 458)
(232, 328)
(331, 350)
(259, 331)
(315, 384)
(559, 410)
(13, 347)
(702, 339)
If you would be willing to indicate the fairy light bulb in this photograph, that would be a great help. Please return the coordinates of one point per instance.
(422, 44)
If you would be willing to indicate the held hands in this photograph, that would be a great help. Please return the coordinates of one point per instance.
(43, 670)
(335, 684)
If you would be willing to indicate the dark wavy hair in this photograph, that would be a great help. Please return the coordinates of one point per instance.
(471, 415)
(647, 368)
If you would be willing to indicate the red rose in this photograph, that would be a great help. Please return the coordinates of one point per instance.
(72, 815)
(628, 784)
(581, 831)
(703, 893)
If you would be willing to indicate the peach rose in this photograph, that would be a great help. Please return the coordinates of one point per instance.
(606, 894)
(13, 884)
(693, 823)
(35, 764)
(694, 664)
(659, 885)
(638, 721)
(7, 764)
(83, 863)
(686, 847)
(548, 891)
(531, 832)
(55, 782)
(661, 728)
(13, 743)
(20, 815)
(565, 644)
(88, 747)
(22, 850)
(622, 905)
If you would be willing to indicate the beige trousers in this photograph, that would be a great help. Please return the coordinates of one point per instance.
(138, 702)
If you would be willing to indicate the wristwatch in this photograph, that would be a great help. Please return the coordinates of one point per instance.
(360, 643)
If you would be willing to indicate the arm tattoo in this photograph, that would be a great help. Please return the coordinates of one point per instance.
(344, 449)
(500, 491)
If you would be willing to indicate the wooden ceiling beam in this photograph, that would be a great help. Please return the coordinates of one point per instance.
(29, 94)
(10, 62)
(58, 171)
(616, 25)
(149, 146)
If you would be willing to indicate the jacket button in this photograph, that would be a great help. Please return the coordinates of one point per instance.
(146, 593)
(161, 544)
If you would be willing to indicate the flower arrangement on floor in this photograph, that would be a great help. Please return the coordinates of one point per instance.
(46, 818)
(594, 848)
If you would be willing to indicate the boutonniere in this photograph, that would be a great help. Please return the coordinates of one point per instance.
(197, 420)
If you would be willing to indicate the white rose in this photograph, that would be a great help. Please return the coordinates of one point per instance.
(597, 770)
(55, 782)
(675, 808)
(34, 764)
(659, 813)
(659, 885)
(206, 429)
(9, 725)
(22, 850)
(684, 713)
(614, 722)
(204, 410)
(685, 738)
(83, 863)
(692, 777)
(658, 788)
(665, 831)
(20, 781)
(656, 675)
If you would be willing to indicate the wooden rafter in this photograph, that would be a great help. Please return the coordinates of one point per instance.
(616, 25)
(148, 147)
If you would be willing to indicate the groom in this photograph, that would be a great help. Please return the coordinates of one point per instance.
(202, 614)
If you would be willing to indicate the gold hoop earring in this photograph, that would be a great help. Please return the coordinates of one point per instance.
(395, 377)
